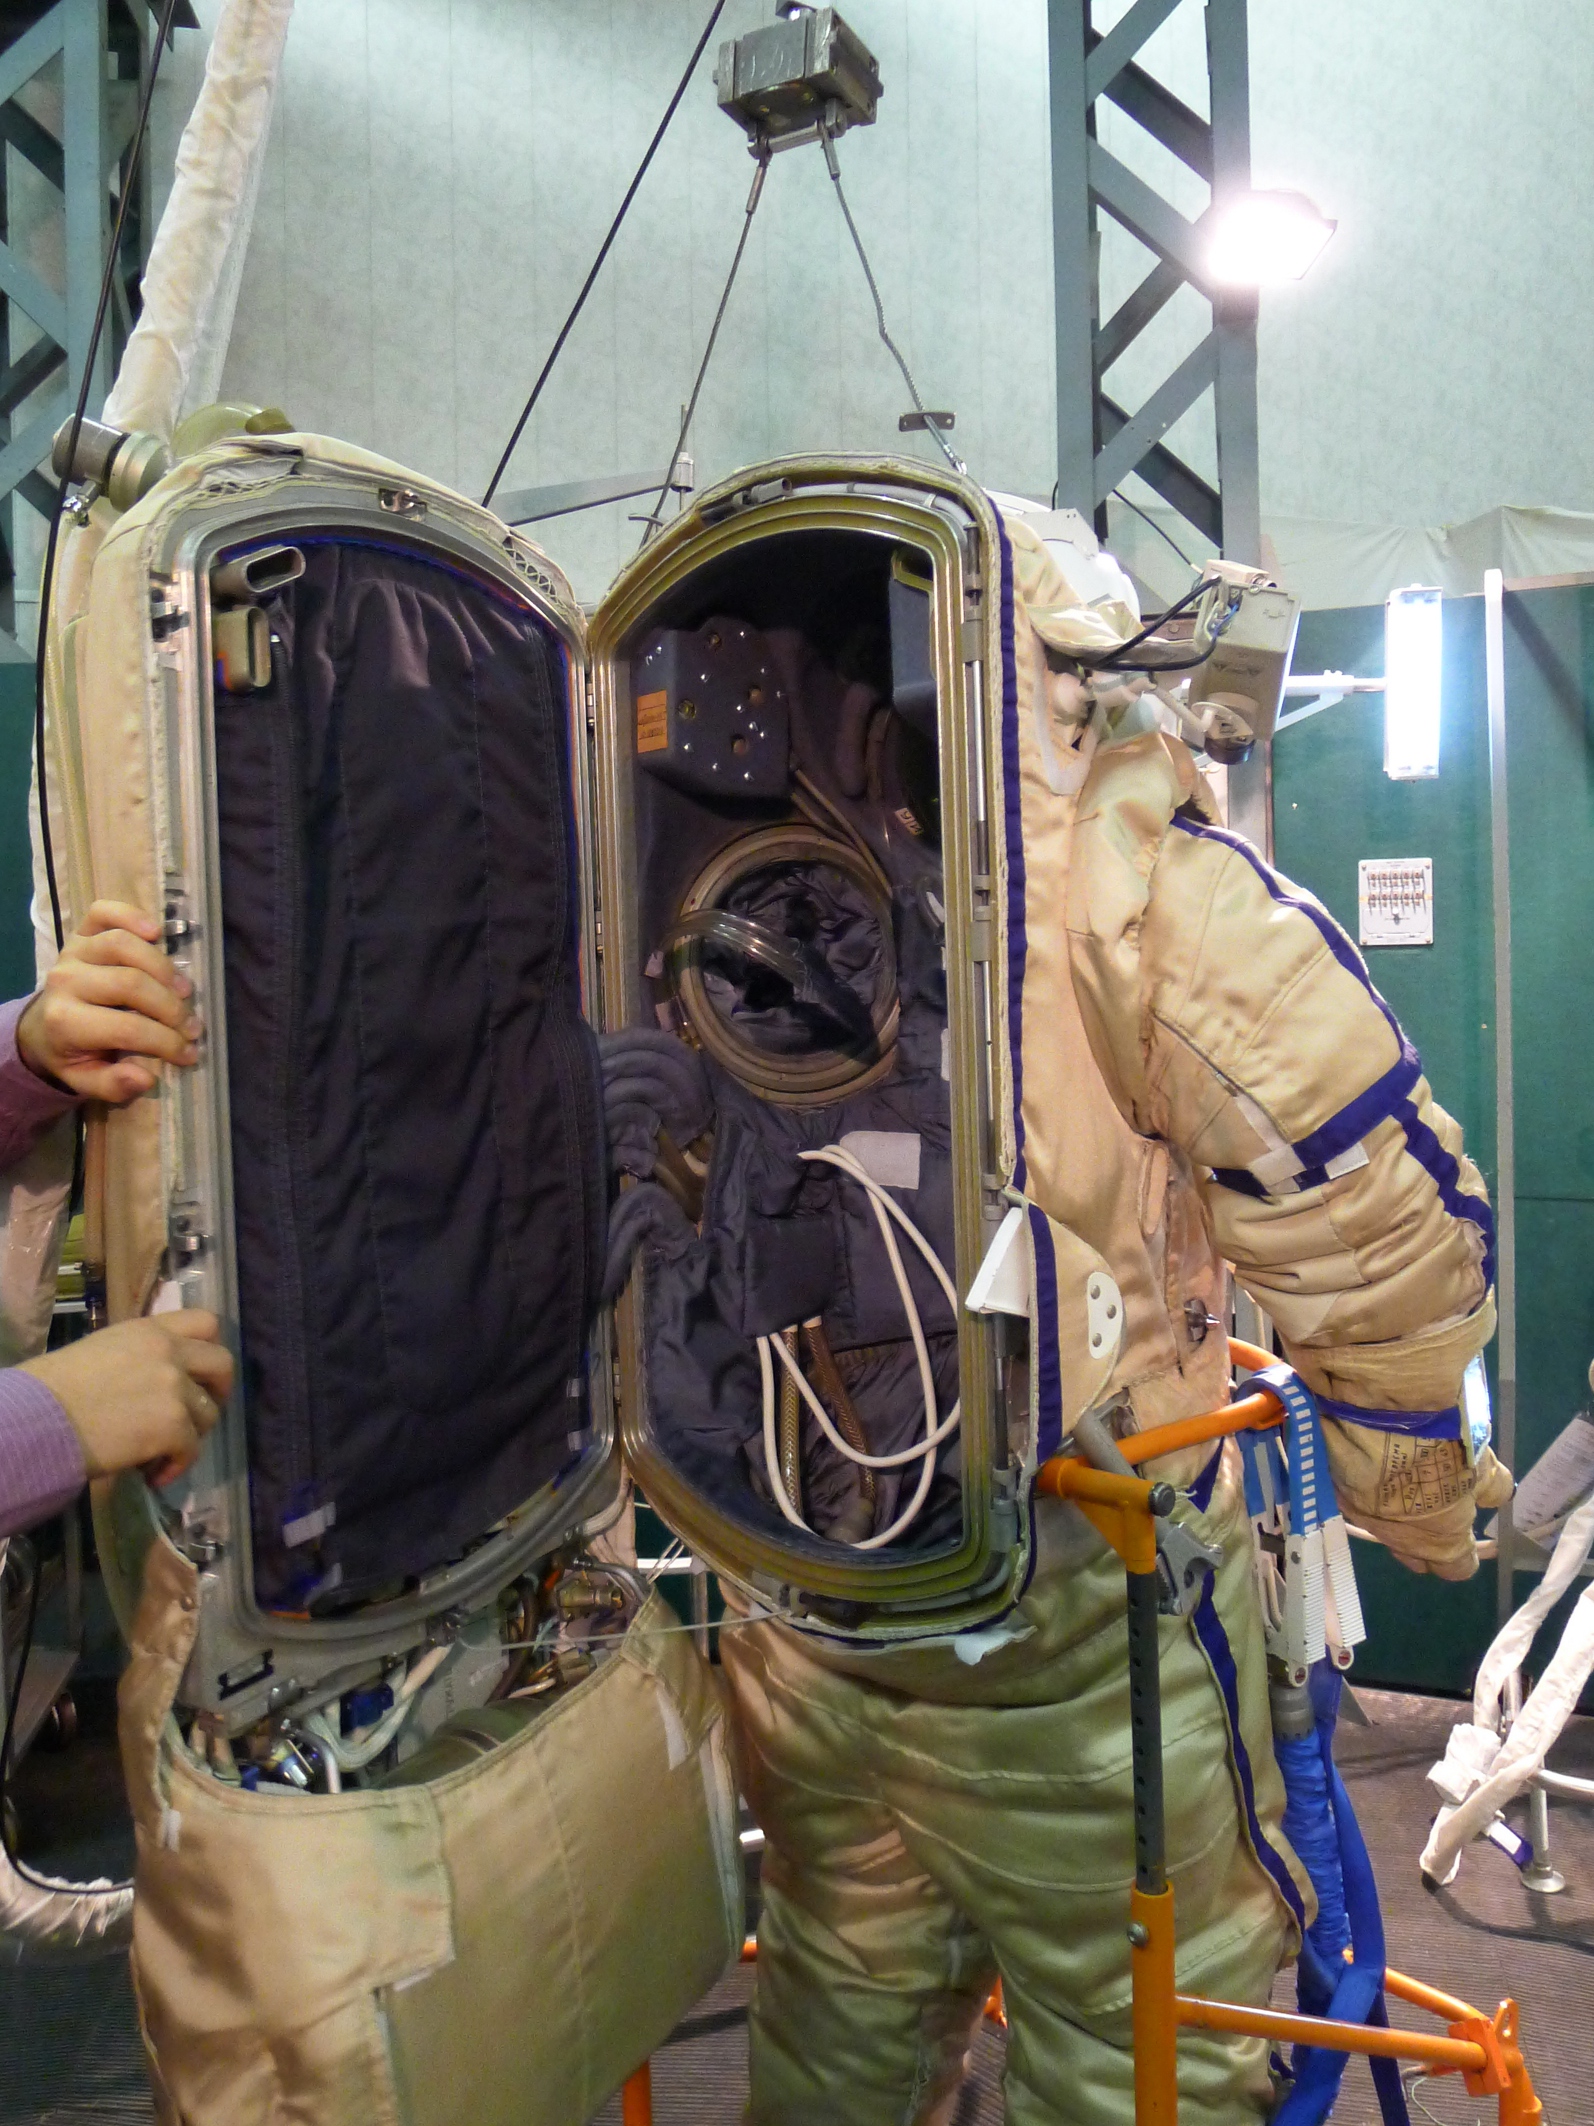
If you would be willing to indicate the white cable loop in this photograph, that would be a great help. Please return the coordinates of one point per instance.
(770, 1347)
(822, 1418)
(833, 1155)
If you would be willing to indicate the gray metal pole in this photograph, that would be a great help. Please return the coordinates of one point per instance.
(1505, 1279)
(1073, 259)
(1234, 309)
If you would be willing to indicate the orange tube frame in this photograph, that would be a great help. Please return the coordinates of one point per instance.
(636, 2098)
(1485, 2050)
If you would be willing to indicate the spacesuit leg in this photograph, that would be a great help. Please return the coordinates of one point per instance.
(870, 1982)
(908, 1832)
(1035, 1845)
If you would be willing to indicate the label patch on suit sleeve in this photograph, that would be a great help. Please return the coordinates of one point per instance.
(653, 722)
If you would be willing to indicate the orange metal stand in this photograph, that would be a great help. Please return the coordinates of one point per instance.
(1485, 2050)
(636, 2098)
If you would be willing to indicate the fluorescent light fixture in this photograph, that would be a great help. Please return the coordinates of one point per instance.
(1261, 238)
(1413, 659)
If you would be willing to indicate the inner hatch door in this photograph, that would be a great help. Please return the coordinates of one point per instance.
(789, 693)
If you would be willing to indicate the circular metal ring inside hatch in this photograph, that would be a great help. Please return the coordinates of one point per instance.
(861, 1030)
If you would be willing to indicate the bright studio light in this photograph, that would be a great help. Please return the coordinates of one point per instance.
(1413, 642)
(1265, 237)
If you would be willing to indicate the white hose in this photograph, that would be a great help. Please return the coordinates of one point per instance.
(1479, 1772)
(364, 1748)
(1510, 1646)
(833, 1155)
(916, 1452)
(174, 355)
(42, 1916)
(769, 1347)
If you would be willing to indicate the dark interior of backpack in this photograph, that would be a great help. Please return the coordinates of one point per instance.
(786, 777)
(414, 1091)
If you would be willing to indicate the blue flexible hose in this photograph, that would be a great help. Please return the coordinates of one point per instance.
(1310, 1828)
(1321, 1826)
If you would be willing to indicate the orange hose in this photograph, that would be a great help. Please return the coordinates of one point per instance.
(1444, 2005)
(1066, 1477)
(1247, 1415)
(1155, 2007)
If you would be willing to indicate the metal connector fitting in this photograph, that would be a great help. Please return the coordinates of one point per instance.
(123, 467)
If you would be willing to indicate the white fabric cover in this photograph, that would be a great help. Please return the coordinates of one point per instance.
(174, 359)
(1479, 1773)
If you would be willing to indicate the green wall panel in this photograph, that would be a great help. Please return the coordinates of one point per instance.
(16, 862)
(1333, 805)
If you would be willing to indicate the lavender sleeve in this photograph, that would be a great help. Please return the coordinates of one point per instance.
(41, 1463)
(28, 1103)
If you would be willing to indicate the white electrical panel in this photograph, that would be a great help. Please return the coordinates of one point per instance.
(1394, 900)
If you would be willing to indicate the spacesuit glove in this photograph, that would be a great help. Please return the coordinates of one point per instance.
(1417, 1496)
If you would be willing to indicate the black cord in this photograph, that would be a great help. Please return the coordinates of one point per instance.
(13, 1701)
(655, 516)
(1110, 659)
(603, 252)
(47, 579)
(1146, 518)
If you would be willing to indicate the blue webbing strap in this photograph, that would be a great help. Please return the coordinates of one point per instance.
(1355, 1994)
(1312, 1498)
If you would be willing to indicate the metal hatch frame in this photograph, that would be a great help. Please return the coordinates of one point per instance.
(249, 1662)
(954, 524)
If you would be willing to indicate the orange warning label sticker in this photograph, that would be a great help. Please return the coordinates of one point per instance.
(653, 723)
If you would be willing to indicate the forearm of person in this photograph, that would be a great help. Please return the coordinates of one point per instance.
(28, 1103)
(41, 1462)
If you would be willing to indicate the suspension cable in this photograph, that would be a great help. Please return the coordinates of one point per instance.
(834, 166)
(652, 523)
(603, 251)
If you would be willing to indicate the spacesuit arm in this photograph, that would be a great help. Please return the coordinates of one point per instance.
(1336, 1185)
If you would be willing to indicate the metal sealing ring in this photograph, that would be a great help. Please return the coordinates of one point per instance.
(786, 1081)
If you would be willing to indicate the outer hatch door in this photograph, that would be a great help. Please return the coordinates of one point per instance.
(388, 1165)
